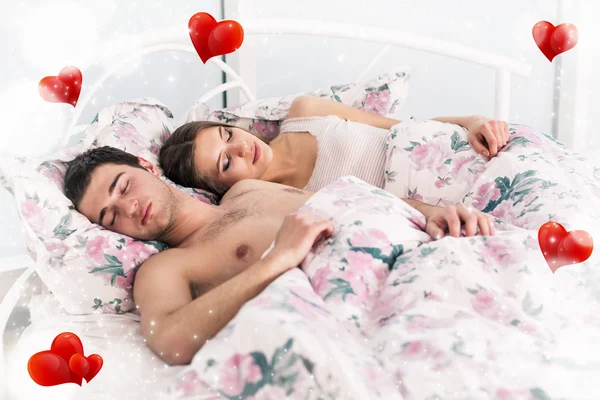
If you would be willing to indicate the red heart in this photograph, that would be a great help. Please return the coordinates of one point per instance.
(562, 248)
(552, 40)
(214, 39)
(79, 365)
(64, 88)
(95, 362)
(49, 369)
(66, 345)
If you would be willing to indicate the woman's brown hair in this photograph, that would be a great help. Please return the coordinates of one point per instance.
(176, 158)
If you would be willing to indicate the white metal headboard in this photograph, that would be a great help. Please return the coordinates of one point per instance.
(172, 39)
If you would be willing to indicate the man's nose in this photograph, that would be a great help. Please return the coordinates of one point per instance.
(130, 207)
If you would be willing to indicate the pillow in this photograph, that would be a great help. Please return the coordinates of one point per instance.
(383, 95)
(431, 161)
(88, 268)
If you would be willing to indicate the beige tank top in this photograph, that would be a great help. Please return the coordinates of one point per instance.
(343, 148)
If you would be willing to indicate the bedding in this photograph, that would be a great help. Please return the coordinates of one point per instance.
(88, 268)
(378, 311)
(130, 369)
(382, 95)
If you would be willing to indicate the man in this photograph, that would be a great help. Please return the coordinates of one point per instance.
(189, 292)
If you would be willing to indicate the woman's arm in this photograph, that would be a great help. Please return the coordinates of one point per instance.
(486, 136)
(309, 106)
(450, 219)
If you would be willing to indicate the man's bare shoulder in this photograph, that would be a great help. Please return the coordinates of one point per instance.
(247, 185)
(167, 263)
(159, 258)
(244, 186)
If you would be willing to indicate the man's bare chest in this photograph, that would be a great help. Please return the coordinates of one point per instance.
(242, 235)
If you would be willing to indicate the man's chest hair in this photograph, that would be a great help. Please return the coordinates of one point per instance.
(241, 206)
(255, 203)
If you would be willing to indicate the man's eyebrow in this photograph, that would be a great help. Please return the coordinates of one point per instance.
(111, 189)
(219, 158)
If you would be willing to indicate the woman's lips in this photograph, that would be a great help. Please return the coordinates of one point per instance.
(147, 214)
(256, 152)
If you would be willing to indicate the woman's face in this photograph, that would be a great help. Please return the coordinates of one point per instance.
(228, 155)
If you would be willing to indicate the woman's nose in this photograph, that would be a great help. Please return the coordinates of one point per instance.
(241, 148)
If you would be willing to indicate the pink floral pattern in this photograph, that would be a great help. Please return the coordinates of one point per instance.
(498, 249)
(97, 247)
(430, 156)
(406, 314)
(239, 370)
(378, 102)
(371, 238)
(33, 214)
(486, 193)
(90, 269)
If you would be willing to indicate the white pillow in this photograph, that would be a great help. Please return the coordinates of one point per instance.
(87, 267)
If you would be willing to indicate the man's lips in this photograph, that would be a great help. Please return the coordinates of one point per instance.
(256, 153)
(146, 214)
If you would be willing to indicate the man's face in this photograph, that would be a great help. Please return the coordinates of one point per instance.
(129, 200)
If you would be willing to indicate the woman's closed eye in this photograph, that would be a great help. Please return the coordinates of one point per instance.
(227, 162)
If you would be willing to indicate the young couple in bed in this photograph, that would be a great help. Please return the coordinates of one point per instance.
(215, 262)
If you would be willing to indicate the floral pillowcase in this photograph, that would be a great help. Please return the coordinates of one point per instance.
(88, 268)
(383, 95)
(431, 161)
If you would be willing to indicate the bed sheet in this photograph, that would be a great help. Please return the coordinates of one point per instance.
(130, 370)
(379, 311)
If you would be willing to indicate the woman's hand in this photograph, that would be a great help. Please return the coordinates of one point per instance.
(487, 136)
(297, 235)
(450, 219)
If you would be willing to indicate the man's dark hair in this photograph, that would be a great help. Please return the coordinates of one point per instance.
(176, 158)
(79, 170)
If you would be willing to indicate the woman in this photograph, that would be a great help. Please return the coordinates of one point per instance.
(321, 141)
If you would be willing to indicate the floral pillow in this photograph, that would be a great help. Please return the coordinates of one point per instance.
(431, 161)
(383, 95)
(88, 268)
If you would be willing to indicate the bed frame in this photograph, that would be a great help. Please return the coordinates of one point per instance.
(176, 38)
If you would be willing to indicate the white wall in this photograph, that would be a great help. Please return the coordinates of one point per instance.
(439, 86)
(589, 85)
(40, 37)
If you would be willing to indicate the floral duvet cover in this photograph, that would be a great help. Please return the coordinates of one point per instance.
(379, 311)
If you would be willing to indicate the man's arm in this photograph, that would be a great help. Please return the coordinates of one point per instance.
(175, 325)
(310, 106)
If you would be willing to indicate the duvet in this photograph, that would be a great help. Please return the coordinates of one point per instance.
(380, 311)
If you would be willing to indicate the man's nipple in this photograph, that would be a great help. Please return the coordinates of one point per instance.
(242, 251)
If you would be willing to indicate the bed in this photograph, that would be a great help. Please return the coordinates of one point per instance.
(132, 371)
